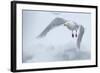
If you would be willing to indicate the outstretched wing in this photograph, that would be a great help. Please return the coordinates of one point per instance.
(56, 22)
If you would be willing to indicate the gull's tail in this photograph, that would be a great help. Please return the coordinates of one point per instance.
(80, 36)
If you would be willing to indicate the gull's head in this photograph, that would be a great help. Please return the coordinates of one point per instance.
(71, 25)
(67, 23)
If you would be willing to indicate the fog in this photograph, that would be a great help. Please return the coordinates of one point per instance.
(58, 44)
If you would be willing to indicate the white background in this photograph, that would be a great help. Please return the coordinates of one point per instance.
(5, 36)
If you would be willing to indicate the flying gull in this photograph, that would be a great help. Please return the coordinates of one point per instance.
(71, 25)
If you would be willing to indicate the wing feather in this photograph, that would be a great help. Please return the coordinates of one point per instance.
(56, 22)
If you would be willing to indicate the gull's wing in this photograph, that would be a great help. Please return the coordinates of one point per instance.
(56, 22)
(80, 36)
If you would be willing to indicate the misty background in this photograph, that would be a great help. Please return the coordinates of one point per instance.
(58, 44)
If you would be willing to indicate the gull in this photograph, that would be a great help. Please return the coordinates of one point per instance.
(71, 25)
(74, 26)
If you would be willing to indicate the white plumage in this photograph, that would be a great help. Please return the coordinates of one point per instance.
(71, 25)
